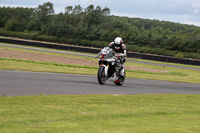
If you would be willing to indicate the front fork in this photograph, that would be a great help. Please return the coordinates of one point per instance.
(108, 68)
(105, 69)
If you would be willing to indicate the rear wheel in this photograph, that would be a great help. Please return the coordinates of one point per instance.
(101, 75)
(120, 80)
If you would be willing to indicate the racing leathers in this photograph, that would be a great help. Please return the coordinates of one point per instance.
(120, 54)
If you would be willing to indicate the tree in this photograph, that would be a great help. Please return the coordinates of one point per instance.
(43, 12)
(68, 9)
(106, 11)
(15, 24)
(77, 10)
(12, 25)
(95, 16)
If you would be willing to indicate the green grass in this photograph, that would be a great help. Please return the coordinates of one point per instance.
(101, 113)
(25, 65)
(164, 63)
(174, 74)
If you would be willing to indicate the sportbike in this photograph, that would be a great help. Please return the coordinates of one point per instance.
(110, 66)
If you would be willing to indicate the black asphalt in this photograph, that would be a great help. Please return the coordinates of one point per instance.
(17, 83)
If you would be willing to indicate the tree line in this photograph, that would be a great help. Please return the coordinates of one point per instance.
(95, 24)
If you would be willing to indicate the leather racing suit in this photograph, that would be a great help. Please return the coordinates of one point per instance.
(121, 54)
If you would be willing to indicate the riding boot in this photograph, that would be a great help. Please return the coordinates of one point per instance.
(122, 71)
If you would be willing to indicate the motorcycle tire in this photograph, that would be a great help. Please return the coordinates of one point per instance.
(120, 81)
(101, 75)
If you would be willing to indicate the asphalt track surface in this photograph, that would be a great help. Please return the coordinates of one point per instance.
(86, 55)
(18, 83)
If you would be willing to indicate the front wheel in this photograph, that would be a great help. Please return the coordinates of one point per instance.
(101, 75)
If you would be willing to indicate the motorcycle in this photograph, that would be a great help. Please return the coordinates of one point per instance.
(110, 66)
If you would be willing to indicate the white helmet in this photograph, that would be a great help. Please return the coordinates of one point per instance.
(118, 42)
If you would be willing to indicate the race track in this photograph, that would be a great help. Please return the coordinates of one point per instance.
(17, 83)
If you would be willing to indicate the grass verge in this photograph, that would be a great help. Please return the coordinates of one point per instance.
(101, 113)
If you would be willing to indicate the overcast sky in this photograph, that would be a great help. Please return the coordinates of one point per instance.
(180, 11)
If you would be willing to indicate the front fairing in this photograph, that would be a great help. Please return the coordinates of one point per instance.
(107, 59)
(106, 54)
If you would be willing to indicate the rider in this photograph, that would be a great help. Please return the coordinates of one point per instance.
(120, 49)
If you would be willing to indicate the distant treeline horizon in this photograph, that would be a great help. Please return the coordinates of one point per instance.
(96, 24)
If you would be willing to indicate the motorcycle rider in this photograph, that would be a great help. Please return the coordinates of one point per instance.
(120, 50)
